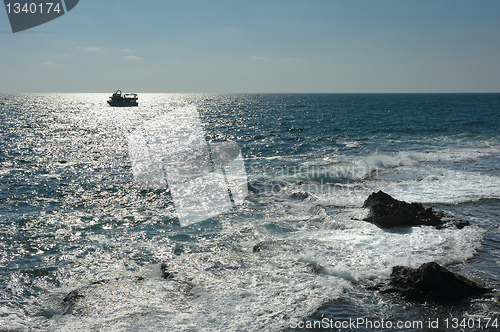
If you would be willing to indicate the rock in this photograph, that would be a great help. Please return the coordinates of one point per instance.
(72, 297)
(258, 247)
(454, 223)
(389, 212)
(165, 274)
(431, 283)
(460, 223)
(300, 195)
(270, 248)
(70, 300)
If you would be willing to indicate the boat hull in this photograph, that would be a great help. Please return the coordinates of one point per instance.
(122, 103)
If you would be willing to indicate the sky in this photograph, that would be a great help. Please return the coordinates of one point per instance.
(270, 46)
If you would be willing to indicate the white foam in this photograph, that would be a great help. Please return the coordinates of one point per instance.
(231, 291)
(349, 169)
(410, 158)
(366, 251)
(441, 185)
(432, 177)
(242, 290)
(11, 320)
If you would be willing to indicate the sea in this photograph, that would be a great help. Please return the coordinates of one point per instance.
(83, 248)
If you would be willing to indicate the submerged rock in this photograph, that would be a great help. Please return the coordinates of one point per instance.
(258, 247)
(454, 222)
(300, 195)
(431, 282)
(389, 212)
(165, 273)
(71, 299)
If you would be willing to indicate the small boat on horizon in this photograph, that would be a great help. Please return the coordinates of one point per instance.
(119, 99)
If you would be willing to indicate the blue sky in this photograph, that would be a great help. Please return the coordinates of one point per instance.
(258, 46)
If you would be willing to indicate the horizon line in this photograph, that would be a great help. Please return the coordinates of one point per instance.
(258, 93)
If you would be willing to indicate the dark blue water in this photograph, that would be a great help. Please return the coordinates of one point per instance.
(71, 217)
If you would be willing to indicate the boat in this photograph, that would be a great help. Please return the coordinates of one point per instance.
(119, 99)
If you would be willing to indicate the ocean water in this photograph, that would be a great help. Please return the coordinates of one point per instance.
(72, 220)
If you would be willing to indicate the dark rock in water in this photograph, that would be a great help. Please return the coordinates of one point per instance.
(269, 248)
(72, 297)
(258, 247)
(431, 283)
(301, 195)
(461, 224)
(454, 223)
(70, 300)
(388, 212)
(165, 274)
